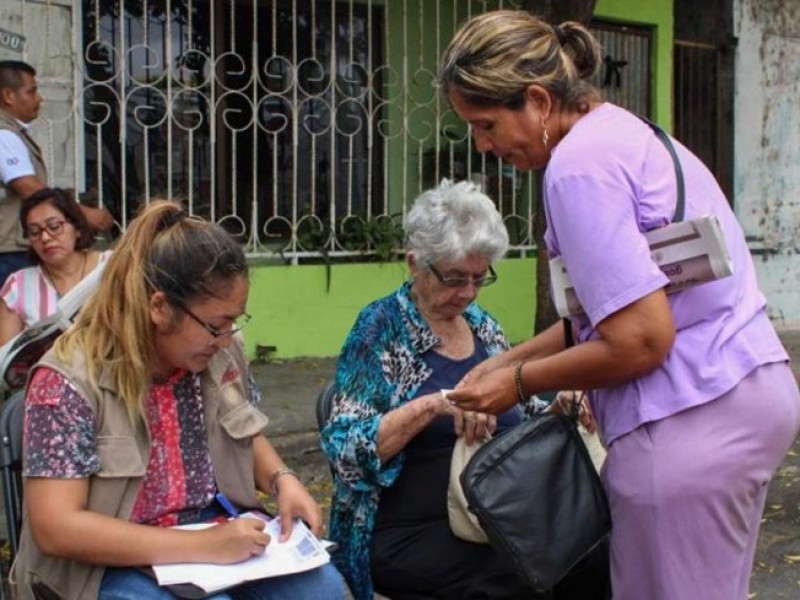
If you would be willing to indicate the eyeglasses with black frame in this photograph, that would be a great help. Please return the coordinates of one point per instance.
(458, 282)
(240, 323)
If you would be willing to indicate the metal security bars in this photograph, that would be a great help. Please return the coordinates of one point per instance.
(697, 100)
(625, 77)
(305, 127)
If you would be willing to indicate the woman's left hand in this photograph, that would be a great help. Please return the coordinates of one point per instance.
(495, 392)
(567, 400)
(473, 425)
(294, 501)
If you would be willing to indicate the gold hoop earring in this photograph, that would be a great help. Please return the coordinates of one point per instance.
(545, 135)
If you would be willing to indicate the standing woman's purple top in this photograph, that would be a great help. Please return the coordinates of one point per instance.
(608, 181)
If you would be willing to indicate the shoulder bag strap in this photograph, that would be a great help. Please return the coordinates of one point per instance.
(680, 204)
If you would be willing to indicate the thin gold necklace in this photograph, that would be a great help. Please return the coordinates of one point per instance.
(52, 281)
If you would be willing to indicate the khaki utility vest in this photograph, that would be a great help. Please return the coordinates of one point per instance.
(11, 239)
(124, 451)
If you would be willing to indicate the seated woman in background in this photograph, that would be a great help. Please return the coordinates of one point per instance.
(391, 433)
(61, 256)
(140, 414)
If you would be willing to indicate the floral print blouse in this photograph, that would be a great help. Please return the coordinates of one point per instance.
(379, 369)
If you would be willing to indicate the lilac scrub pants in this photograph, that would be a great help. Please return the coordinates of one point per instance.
(687, 492)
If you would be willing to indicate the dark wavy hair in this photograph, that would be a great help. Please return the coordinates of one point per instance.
(64, 203)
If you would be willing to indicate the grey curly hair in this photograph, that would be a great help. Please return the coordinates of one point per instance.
(452, 221)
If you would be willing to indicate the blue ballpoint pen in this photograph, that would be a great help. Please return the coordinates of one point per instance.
(226, 504)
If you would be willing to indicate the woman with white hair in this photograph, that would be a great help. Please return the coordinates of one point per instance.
(392, 431)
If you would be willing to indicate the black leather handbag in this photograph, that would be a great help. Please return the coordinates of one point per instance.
(538, 497)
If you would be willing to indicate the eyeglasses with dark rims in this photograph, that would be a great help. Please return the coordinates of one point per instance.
(53, 227)
(459, 282)
(215, 332)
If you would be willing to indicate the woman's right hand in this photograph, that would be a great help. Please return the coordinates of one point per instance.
(236, 540)
(487, 366)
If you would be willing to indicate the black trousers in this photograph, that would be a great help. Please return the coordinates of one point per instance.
(415, 556)
(427, 561)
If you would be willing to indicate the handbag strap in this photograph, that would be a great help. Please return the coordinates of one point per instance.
(574, 410)
(663, 137)
(569, 340)
(680, 204)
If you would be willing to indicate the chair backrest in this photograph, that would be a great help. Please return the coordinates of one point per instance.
(12, 417)
(324, 404)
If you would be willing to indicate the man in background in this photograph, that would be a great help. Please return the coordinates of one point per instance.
(22, 167)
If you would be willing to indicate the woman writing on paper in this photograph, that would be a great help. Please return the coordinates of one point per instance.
(692, 393)
(140, 414)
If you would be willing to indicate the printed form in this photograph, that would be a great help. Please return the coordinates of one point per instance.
(303, 551)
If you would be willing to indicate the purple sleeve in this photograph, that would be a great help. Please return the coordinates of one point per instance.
(594, 221)
(60, 438)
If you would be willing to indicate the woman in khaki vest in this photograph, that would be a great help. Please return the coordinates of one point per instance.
(141, 415)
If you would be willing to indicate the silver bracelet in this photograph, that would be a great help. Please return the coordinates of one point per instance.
(273, 479)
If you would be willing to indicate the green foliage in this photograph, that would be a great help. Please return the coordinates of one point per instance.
(382, 235)
(377, 239)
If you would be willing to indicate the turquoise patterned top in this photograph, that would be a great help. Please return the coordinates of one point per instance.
(379, 369)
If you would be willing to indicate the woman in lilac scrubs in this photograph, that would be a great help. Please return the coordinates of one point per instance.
(693, 392)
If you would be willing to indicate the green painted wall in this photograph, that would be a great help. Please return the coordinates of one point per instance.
(292, 311)
(659, 15)
(291, 308)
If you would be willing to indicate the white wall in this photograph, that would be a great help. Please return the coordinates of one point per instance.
(47, 27)
(767, 152)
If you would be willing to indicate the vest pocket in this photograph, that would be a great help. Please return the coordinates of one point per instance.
(243, 421)
(119, 457)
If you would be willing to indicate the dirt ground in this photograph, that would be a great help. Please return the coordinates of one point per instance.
(776, 573)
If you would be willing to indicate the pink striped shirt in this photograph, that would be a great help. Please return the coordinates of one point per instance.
(30, 294)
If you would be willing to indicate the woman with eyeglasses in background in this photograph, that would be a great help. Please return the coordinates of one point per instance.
(60, 253)
(140, 415)
(391, 432)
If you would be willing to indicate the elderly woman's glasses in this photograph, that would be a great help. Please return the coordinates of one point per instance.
(53, 227)
(216, 333)
(458, 282)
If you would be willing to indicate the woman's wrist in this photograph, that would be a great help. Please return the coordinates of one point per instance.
(519, 384)
(437, 404)
(277, 475)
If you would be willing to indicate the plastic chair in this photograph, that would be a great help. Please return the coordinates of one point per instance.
(12, 417)
(324, 405)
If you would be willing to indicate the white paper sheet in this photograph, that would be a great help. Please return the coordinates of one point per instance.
(301, 552)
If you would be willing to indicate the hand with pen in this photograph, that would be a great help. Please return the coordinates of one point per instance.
(236, 539)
